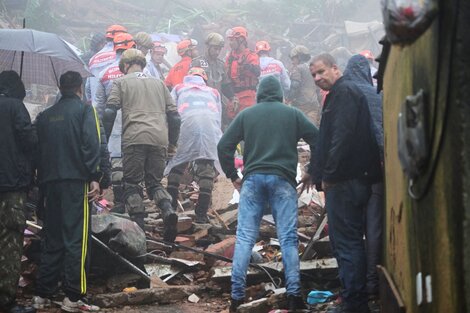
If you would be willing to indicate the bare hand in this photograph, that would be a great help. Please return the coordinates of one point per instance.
(94, 193)
(306, 182)
(237, 184)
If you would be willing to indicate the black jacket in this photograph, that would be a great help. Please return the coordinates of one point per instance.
(16, 144)
(358, 71)
(69, 141)
(347, 148)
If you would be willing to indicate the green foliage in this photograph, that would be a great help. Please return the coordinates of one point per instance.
(39, 16)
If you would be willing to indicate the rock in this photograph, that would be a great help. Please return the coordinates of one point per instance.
(193, 298)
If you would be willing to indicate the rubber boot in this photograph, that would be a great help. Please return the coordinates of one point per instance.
(138, 218)
(118, 193)
(135, 205)
(201, 209)
(174, 193)
(170, 220)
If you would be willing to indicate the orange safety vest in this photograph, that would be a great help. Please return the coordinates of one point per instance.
(242, 79)
(178, 72)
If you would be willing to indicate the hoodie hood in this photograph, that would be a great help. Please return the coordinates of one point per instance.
(358, 70)
(269, 90)
(194, 79)
(11, 85)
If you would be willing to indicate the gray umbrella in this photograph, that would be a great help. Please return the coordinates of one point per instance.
(46, 56)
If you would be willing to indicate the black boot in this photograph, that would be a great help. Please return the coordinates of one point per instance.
(201, 209)
(295, 303)
(17, 308)
(118, 193)
(138, 218)
(174, 193)
(170, 220)
(234, 304)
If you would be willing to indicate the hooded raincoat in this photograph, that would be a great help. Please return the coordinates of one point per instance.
(358, 71)
(200, 109)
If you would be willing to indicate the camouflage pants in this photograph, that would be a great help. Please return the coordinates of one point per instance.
(203, 172)
(143, 163)
(12, 225)
(116, 180)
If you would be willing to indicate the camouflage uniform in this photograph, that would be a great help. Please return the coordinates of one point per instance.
(204, 173)
(12, 225)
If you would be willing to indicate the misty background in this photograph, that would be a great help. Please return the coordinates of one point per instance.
(317, 24)
(339, 27)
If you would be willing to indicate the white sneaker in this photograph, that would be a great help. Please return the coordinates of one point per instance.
(78, 306)
(41, 303)
(85, 307)
(69, 306)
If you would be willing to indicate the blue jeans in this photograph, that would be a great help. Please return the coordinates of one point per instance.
(345, 204)
(259, 190)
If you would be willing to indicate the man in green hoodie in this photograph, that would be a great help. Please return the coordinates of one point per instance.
(271, 131)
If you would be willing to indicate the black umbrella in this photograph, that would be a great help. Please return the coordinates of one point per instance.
(45, 56)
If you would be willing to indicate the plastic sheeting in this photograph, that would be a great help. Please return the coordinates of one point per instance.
(200, 109)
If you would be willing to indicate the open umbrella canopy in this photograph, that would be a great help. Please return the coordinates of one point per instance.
(46, 56)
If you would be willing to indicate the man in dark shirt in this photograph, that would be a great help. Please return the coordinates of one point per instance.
(271, 131)
(68, 171)
(347, 162)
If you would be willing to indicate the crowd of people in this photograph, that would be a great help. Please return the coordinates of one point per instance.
(139, 119)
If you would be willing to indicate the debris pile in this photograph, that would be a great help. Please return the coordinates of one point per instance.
(130, 266)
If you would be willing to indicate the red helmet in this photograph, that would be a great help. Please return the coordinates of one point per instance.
(185, 45)
(123, 41)
(262, 46)
(158, 47)
(368, 54)
(237, 32)
(198, 71)
(114, 30)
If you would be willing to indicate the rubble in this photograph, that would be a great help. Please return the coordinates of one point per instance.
(164, 295)
(199, 262)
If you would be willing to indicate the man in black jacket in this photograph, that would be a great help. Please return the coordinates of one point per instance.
(348, 162)
(358, 71)
(18, 141)
(68, 171)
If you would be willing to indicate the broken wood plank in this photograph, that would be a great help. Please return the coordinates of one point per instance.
(230, 217)
(225, 272)
(219, 218)
(275, 301)
(164, 295)
(309, 251)
(200, 234)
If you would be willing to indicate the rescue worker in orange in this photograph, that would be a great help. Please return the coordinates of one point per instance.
(187, 49)
(243, 70)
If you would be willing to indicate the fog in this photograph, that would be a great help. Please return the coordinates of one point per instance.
(340, 27)
(317, 24)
